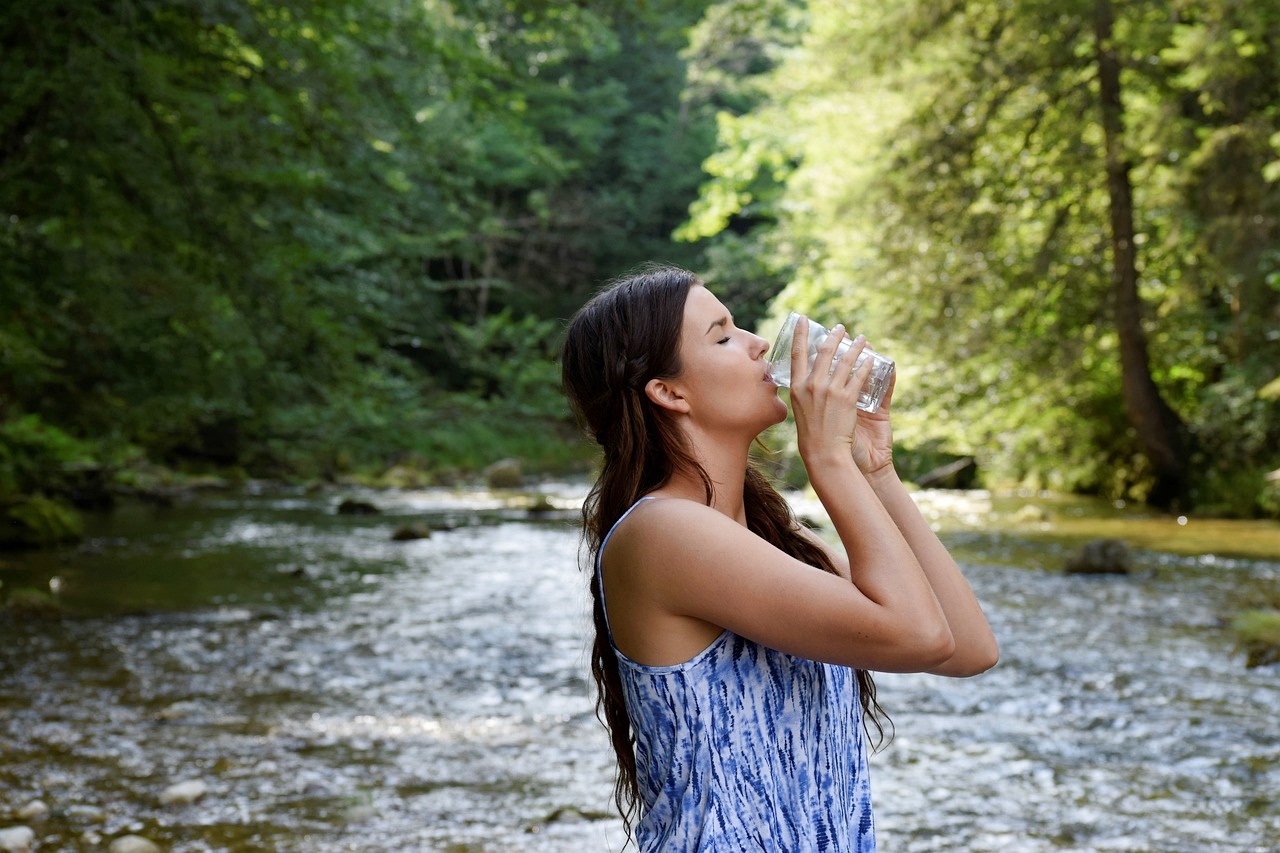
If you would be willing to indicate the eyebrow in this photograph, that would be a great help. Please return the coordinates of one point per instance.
(723, 321)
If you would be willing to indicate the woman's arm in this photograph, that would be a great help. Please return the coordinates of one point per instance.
(872, 451)
(677, 572)
(677, 569)
(976, 649)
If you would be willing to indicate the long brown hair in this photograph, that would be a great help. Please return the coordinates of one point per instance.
(626, 335)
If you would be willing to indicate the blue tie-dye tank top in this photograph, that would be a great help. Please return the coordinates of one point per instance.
(744, 748)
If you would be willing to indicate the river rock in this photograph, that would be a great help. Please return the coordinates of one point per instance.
(85, 813)
(540, 505)
(180, 710)
(33, 810)
(354, 506)
(133, 844)
(17, 839)
(1258, 632)
(504, 474)
(35, 522)
(410, 532)
(1100, 557)
(1030, 514)
(31, 602)
(184, 793)
(404, 477)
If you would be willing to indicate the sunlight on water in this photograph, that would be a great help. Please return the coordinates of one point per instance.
(336, 690)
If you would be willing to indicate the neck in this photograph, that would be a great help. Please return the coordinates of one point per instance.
(725, 461)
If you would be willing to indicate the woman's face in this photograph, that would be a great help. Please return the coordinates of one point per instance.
(723, 372)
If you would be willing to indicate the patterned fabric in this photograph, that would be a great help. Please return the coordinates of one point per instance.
(744, 748)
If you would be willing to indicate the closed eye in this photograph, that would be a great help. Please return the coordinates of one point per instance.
(723, 340)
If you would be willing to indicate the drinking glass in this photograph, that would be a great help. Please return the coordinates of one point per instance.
(780, 361)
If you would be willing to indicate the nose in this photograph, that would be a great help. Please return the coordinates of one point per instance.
(761, 346)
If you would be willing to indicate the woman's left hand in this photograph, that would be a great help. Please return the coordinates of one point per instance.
(873, 436)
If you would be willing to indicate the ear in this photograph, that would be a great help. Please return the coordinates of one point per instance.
(664, 393)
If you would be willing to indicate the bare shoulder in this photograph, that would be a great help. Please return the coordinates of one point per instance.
(651, 570)
(662, 527)
(678, 572)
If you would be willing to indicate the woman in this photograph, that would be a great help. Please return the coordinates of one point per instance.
(732, 675)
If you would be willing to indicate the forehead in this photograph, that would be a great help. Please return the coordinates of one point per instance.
(701, 307)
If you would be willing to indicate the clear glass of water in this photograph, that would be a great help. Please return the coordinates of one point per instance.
(780, 361)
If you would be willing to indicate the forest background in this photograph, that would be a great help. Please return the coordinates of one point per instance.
(320, 240)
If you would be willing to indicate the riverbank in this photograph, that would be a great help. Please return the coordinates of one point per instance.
(48, 479)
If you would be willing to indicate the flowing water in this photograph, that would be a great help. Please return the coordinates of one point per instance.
(335, 690)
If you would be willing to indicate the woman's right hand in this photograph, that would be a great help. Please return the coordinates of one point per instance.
(823, 396)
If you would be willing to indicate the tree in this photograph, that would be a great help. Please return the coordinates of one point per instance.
(962, 176)
(263, 233)
(1160, 430)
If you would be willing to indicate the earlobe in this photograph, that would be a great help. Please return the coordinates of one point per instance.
(664, 394)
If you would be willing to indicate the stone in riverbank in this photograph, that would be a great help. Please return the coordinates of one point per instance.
(410, 532)
(1258, 633)
(505, 474)
(16, 839)
(133, 844)
(184, 793)
(33, 810)
(31, 602)
(1100, 557)
(354, 506)
(36, 522)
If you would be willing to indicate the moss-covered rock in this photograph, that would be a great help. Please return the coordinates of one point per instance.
(505, 474)
(357, 506)
(35, 522)
(410, 532)
(29, 601)
(405, 476)
(1100, 557)
(1258, 633)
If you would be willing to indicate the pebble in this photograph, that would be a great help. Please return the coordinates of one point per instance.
(184, 793)
(16, 839)
(132, 844)
(180, 710)
(86, 813)
(32, 810)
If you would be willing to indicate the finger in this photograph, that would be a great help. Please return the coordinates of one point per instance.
(829, 353)
(888, 392)
(858, 375)
(800, 351)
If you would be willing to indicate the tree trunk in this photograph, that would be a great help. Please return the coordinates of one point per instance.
(1161, 433)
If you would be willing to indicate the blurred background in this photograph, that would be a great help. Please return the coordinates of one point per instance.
(281, 279)
(305, 240)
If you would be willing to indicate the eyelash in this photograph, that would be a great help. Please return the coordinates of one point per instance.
(723, 340)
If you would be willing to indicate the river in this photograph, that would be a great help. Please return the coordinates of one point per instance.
(334, 690)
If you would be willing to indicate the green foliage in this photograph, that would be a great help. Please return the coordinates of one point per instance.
(310, 238)
(513, 361)
(29, 602)
(732, 53)
(1258, 633)
(947, 195)
(37, 521)
(35, 456)
(297, 237)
